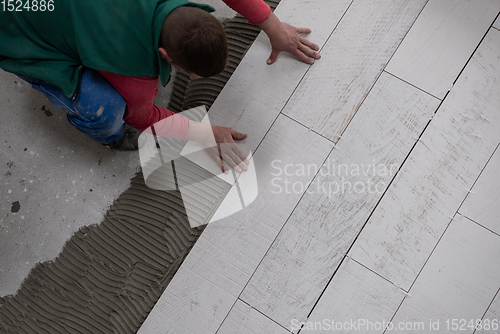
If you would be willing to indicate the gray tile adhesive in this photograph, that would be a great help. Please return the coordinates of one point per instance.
(109, 276)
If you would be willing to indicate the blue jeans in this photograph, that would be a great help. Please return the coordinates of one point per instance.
(97, 109)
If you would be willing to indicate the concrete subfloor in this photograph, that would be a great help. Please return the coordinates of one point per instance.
(53, 179)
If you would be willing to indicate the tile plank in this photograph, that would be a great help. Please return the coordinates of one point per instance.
(245, 320)
(441, 41)
(354, 56)
(224, 257)
(435, 179)
(316, 236)
(458, 282)
(264, 89)
(356, 301)
(482, 204)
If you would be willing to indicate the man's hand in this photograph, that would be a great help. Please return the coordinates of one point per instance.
(221, 147)
(219, 142)
(285, 37)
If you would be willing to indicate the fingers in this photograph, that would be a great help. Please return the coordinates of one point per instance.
(309, 44)
(227, 150)
(303, 57)
(272, 58)
(222, 166)
(238, 156)
(306, 47)
(311, 54)
(237, 136)
(235, 157)
(303, 30)
(232, 160)
(215, 153)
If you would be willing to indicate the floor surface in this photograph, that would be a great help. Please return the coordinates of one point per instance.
(376, 176)
(377, 171)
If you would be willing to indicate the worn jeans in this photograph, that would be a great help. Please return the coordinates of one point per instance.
(97, 109)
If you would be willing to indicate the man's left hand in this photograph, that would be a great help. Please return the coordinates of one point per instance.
(285, 37)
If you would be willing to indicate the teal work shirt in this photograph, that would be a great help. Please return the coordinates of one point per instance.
(118, 36)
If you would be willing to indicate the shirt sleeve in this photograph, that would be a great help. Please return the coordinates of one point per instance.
(140, 112)
(255, 11)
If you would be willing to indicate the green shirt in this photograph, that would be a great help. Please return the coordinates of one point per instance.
(119, 36)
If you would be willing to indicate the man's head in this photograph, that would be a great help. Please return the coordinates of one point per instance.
(194, 41)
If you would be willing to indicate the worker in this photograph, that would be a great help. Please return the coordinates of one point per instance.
(100, 60)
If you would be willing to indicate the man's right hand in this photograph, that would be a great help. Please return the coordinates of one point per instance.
(226, 149)
(219, 142)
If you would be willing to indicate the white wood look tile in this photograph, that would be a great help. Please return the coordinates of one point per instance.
(482, 204)
(441, 42)
(244, 114)
(272, 85)
(354, 56)
(458, 282)
(264, 89)
(229, 250)
(245, 320)
(356, 301)
(322, 227)
(194, 305)
(491, 319)
(435, 178)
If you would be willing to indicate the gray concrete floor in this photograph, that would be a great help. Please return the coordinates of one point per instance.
(53, 179)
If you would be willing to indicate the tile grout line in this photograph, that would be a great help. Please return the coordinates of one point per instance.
(373, 271)
(486, 311)
(474, 52)
(241, 300)
(480, 225)
(416, 18)
(406, 82)
(480, 173)
(305, 126)
(494, 21)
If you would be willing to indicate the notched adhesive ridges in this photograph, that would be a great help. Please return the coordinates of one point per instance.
(109, 276)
